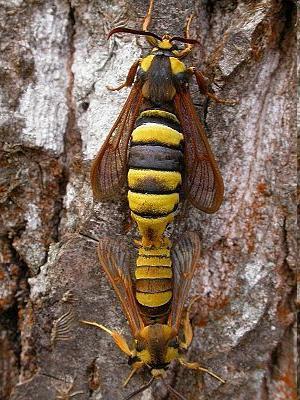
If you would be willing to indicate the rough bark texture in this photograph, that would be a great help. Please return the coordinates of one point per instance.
(56, 112)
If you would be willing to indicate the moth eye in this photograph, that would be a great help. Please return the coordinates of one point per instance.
(132, 360)
(174, 343)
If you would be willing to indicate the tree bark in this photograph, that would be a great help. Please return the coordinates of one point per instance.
(56, 113)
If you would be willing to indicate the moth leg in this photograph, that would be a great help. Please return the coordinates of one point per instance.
(130, 77)
(147, 20)
(135, 368)
(128, 221)
(197, 367)
(187, 326)
(117, 337)
(148, 16)
(188, 48)
(204, 88)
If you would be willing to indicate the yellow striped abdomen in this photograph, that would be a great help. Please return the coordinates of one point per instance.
(152, 204)
(154, 280)
(158, 133)
(154, 179)
(165, 180)
(154, 176)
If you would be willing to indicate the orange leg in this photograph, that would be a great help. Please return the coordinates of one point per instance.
(187, 326)
(188, 48)
(128, 222)
(196, 366)
(136, 366)
(119, 340)
(130, 77)
(204, 88)
(148, 16)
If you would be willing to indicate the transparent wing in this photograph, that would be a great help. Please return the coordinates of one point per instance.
(109, 169)
(115, 262)
(185, 258)
(203, 184)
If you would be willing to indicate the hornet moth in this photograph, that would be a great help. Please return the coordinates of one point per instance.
(157, 340)
(159, 150)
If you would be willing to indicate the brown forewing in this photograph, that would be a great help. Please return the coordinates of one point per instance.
(114, 260)
(202, 183)
(109, 169)
(185, 258)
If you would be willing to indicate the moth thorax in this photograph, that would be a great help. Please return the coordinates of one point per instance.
(157, 337)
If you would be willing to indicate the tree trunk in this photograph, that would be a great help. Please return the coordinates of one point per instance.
(55, 114)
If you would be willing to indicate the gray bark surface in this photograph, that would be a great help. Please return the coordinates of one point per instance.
(55, 113)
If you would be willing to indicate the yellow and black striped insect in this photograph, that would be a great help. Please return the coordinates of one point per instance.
(158, 148)
(157, 340)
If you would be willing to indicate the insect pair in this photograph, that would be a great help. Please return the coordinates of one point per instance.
(158, 149)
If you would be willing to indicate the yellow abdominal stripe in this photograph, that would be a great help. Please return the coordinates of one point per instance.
(156, 224)
(152, 132)
(161, 251)
(153, 261)
(159, 113)
(167, 179)
(152, 203)
(154, 299)
(153, 273)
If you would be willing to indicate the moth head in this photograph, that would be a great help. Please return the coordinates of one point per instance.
(166, 42)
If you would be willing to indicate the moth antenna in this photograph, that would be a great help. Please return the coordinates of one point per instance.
(173, 391)
(141, 389)
(122, 29)
(184, 40)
